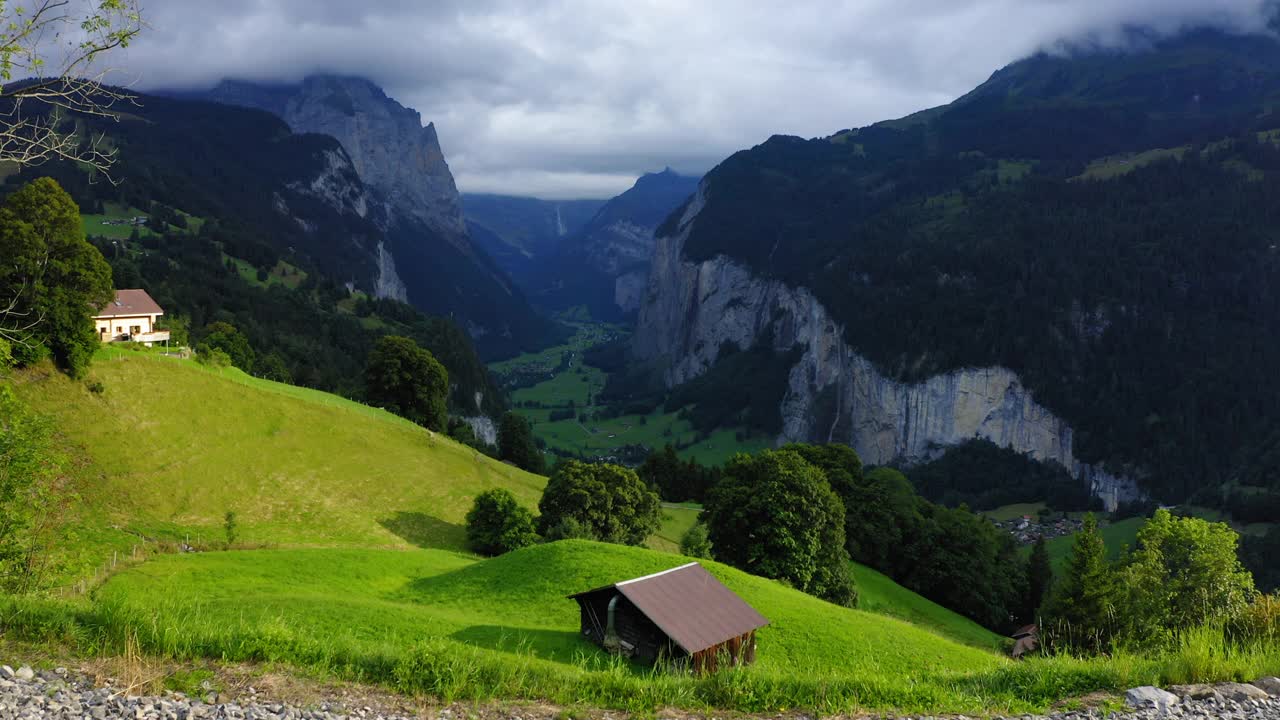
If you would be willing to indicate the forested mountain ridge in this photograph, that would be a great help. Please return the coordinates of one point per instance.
(428, 257)
(1077, 260)
(251, 224)
(523, 233)
(605, 264)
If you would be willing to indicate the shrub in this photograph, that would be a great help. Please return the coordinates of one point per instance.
(213, 357)
(96, 387)
(1257, 623)
(567, 528)
(497, 523)
(408, 381)
(696, 542)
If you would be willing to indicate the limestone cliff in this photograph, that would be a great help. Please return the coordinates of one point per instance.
(690, 309)
(426, 255)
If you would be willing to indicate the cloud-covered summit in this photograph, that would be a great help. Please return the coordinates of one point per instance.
(575, 98)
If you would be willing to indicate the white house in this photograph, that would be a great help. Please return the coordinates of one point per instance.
(131, 316)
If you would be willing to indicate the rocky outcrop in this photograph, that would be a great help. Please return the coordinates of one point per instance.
(391, 150)
(691, 309)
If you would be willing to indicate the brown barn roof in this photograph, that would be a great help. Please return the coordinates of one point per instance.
(130, 303)
(690, 605)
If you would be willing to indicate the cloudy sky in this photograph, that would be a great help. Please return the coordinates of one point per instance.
(575, 98)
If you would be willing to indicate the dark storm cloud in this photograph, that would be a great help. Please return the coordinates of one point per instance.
(576, 97)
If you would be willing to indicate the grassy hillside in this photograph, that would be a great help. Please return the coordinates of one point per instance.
(377, 604)
(877, 593)
(170, 446)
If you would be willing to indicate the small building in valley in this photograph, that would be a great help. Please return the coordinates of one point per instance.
(131, 316)
(683, 616)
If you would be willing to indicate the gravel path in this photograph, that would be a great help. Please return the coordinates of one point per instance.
(29, 695)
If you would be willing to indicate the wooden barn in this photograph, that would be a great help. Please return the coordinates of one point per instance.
(684, 616)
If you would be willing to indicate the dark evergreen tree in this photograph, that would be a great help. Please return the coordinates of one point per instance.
(1081, 614)
(1039, 580)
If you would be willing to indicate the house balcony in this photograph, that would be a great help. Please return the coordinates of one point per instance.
(154, 336)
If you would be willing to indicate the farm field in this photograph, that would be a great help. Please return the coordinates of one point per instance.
(1117, 537)
(571, 385)
(94, 225)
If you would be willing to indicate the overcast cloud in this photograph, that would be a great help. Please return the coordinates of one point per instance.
(565, 98)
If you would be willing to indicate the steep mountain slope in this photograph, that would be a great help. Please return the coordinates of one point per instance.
(604, 266)
(428, 258)
(521, 233)
(268, 198)
(1076, 260)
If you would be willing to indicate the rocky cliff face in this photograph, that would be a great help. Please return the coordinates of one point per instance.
(393, 173)
(391, 150)
(691, 309)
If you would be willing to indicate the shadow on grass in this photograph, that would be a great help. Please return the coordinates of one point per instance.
(425, 531)
(562, 645)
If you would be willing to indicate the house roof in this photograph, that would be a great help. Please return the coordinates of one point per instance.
(690, 605)
(130, 303)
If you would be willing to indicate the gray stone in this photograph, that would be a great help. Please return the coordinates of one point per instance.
(1194, 692)
(1270, 684)
(1149, 696)
(1240, 692)
(25, 673)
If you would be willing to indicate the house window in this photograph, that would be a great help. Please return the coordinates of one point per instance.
(119, 330)
(135, 329)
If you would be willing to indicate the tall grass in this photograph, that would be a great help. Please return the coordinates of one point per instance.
(450, 671)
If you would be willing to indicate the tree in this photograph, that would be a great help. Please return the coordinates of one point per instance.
(1183, 574)
(696, 542)
(408, 381)
(273, 367)
(55, 50)
(1039, 578)
(225, 337)
(1081, 612)
(609, 501)
(230, 527)
(516, 444)
(498, 524)
(51, 280)
(774, 514)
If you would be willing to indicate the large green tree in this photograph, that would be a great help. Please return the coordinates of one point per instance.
(51, 280)
(774, 514)
(609, 502)
(516, 444)
(1183, 574)
(1081, 614)
(497, 523)
(408, 381)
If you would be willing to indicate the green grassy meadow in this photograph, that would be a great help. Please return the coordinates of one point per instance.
(1117, 537)
(351, 565)
(676, 521)
(170, 446)
(94, 224)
